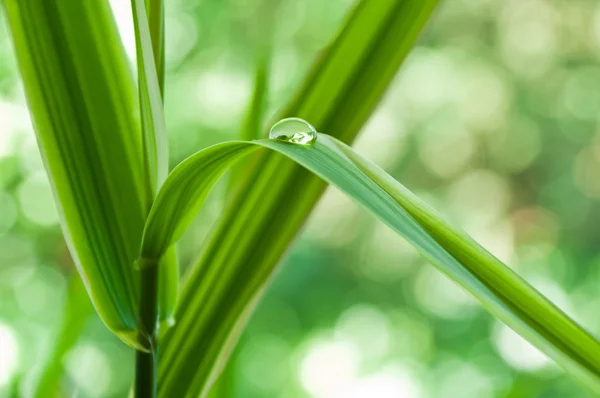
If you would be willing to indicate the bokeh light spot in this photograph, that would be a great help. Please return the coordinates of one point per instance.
(441, 296)
(479, 198)
(89, 368)
(446, 146)
(383, 140)
(8, 211)
(221, 96)
(460, 379)
(581, 94)
(37, 202)
(328, 367)
(392, 381)
(15, 123)
(9, 353)
(367, 329)
(264, 354)
(518, 352)
(386, 257)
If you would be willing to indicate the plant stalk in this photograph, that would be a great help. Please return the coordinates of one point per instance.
(146, 362)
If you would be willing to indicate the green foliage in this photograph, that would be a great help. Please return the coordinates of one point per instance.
(120, 209)
(81, 98)
(340, 93)
(156, 150)
(80, 94)
(498, 288)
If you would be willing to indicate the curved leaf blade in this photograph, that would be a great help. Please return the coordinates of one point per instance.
(496, 286)
(81, 100)
(339, 94)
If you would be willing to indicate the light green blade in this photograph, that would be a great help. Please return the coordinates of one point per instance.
(81, 98)
(339, 94)
(156, 23)
(501, 291)
(149, 35)
(156, 150)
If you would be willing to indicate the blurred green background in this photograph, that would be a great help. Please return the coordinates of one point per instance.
(493, 120)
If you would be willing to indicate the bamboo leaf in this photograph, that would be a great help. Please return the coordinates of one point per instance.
(156, 24)
(499, 289)
(221, 290)
(156, 152)
(149, 35)
(81, 99)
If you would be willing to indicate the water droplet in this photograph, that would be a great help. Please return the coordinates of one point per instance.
(293, 130)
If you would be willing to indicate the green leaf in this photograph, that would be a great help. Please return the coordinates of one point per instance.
(149, 34)
(156, 152)
(222, 289)
(499, 289)
(164, 280)
(156, 22)
(81, 99)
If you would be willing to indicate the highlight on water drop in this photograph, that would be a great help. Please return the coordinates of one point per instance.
(293, 130)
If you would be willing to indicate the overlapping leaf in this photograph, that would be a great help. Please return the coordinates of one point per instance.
(163, 280)
(222, 289)
(156, 150)
(81, 98)
(498, 288)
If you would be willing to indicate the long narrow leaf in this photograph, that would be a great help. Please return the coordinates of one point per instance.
(156, 24)
(156, 153)
(224, 286)
(501, 291)
(149, 34)
(81, 99)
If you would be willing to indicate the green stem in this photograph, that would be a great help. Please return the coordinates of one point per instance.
(146, 362)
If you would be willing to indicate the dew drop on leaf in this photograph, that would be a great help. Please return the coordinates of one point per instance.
(293, 130)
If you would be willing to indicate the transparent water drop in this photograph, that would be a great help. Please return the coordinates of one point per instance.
(293, 130)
